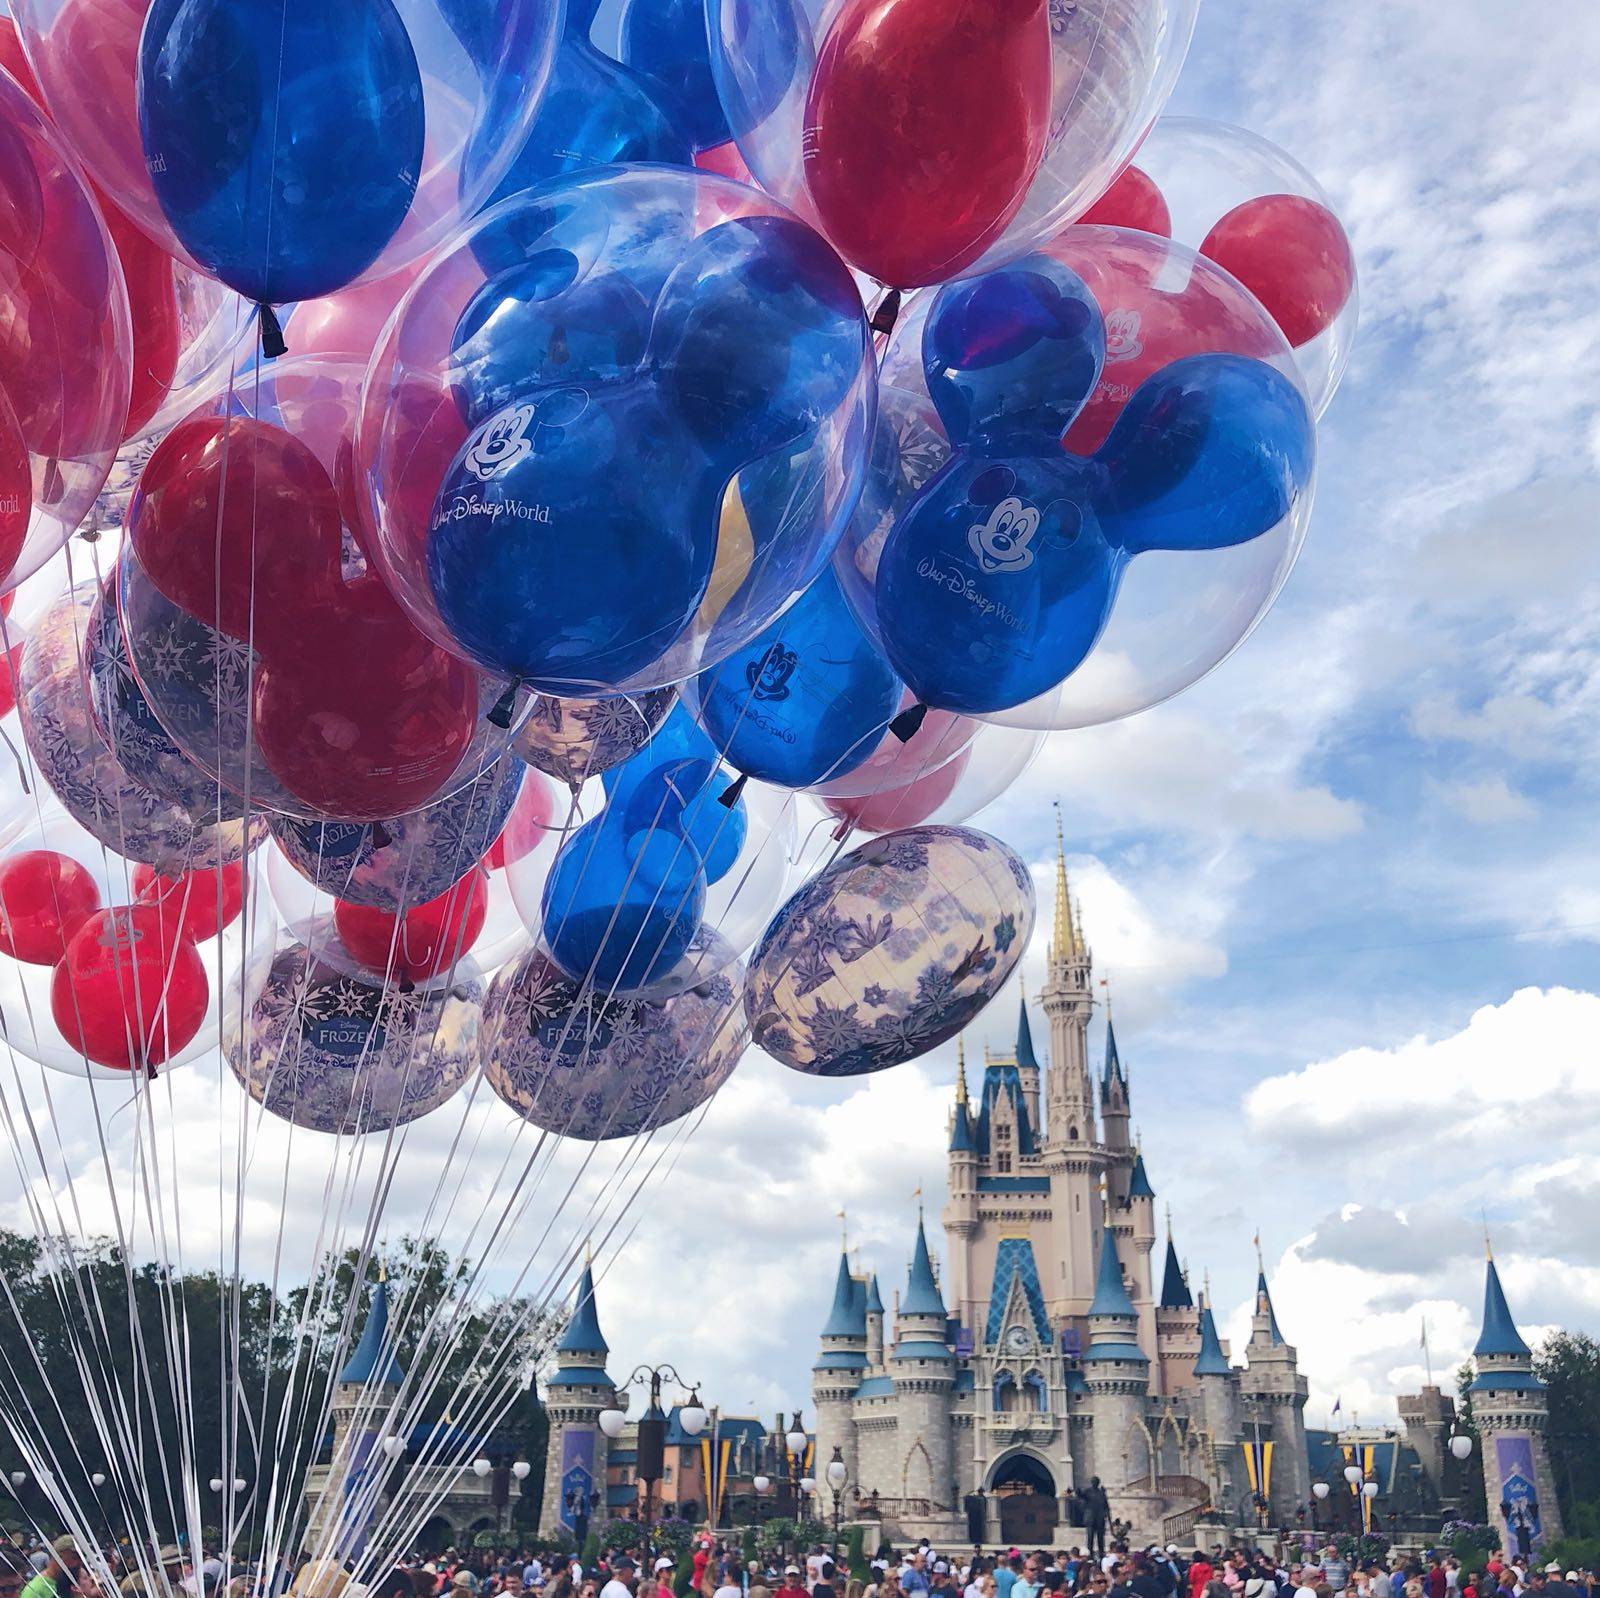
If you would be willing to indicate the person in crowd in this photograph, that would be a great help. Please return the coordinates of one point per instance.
(825, 1588)
(792, 1587)
(62, 1573)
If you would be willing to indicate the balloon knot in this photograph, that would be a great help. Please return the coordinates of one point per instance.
(381, 836)
(729, 796)
(843, 830)
(886, 313)
(908, 723)
(406, 985)
(505, 706)
(272, 345)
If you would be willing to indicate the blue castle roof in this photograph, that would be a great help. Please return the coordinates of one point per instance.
(1001, 1077)
(1025, 1054)
(874, 1297)
(922, 1291)
(1110, 1293)
(1263, 1297)
(1211, 1360)
(1174, 1290)
(371, 1359)
(1139, 1183)
(582, 1335)
(848, 1317)
(961, 1138)
(1499, 1334)
(1113, 1072)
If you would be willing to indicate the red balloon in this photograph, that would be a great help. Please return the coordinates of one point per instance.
(361, 716)
(1148, 322)
(925, 123)
(196, 905)
(44, 898)
(10, 665)
(902, 807)
(1132, 201)
(147, 269)
(1292, 254)
(125, 994)
(421, 942)
(238, 523)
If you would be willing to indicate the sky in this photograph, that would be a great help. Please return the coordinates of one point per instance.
(1346, 890)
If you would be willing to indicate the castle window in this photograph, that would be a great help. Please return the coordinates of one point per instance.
(1002, 1163)
(1072, 1134)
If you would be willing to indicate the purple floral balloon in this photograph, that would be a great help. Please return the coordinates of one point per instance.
(411, 859)
(335, 1053)
(73, 757)
(890, 951)
(576, 1063)
(575, 739)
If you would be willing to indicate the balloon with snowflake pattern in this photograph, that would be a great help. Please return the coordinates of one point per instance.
(576, 739)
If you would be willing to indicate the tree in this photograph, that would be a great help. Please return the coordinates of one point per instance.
(1568, 1363)
(172, 1378)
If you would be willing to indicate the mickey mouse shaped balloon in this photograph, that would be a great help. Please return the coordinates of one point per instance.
(998, 577)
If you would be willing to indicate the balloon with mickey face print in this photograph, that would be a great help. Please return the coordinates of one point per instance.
(993, 562)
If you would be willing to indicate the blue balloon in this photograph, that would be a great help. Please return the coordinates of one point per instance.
(679, 737)
(806, 700)
(284, 141)
(621, 908)
(685, 797)
(998, 577)
(595, 112)
(573, 536)
(668, 40)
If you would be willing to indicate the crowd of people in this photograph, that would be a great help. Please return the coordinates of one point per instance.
(717, 1569)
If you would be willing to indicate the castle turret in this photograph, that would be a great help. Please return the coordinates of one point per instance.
(1142, 1237)
(575, 1464)
(1115, 1110)
(1068, 1003)
(874, 1325)
(1028, 1067)
(1220, 1413)
(1511, 1410)
(345, 1495)
(839, 1370)
(1275, 1396)
(961, 1212)
(1118, 1375)
(1177, 1324)
(924, 1374)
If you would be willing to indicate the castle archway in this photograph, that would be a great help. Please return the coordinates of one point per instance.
(1025, 1493)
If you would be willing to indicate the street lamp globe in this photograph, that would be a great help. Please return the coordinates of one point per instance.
(796, 1441)
(808, 1484)
(1352, 1474)
(394, 1447)
(761, 1483)
(238, 1484)
(18, 1477)
(481, 1468)
(1319, 1489)
(837, 1473)
(612, 1421)
(98, 1479)
(1461, 1445)
(522, 1470)
(693, 1417)
(1369, 1489)
(216, 1484)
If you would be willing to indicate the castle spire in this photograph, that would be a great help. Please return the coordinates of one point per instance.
(1064, 940)
(1212, 1361)
(1499, 1334)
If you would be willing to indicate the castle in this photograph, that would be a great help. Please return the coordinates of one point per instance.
(1046, 1356)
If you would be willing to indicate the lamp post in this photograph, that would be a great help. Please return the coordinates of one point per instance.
(838, 1475)
(794, 1444)
(1319, 1491)
(652, 1441)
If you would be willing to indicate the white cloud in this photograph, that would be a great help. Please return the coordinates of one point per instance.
(1488, 802)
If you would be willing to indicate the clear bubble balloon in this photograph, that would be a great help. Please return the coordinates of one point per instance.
(335, 1052)
(259, 636)
(109, 1000)
(574, 1062)
(385, 123)
(1118, 557)
(77, 763)
(615, 427)
(889, 951)
(1248, 205)
(66, 346)
(928, 139)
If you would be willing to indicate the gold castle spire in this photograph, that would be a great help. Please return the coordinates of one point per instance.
(1064, 942)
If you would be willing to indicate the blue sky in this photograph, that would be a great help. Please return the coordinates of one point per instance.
(1344, 884)
(1348, 888)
